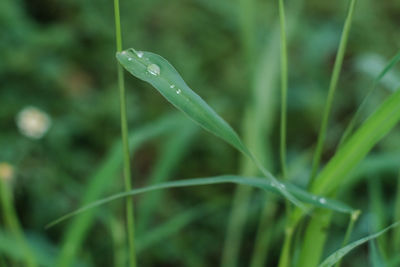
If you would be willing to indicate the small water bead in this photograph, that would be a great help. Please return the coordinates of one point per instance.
(172, 86)
(178, 91)
(139, 54)
(130, 59)
(153, 69)
(322, 200)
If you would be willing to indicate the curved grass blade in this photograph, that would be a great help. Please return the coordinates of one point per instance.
(357, 147)
(157, 71)
(339, 254)
(336, 172)
(349, 129)
(260, 183)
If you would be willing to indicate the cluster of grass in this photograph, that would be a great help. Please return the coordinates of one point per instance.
(326, 168)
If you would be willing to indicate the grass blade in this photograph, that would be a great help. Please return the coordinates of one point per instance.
(358, 146)
(11, 222)
(338, 168)
(260, 183)
(396, 234)
(157, 71)
(332, 88)
(129, 212)
(284, 87)
(349, 129)
(339, 254)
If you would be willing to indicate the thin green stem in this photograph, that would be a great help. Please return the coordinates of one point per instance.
(284, 260)
(332, 88)
(353, 218)
(124, 131)
(12, 223)
(396, 234)
(284, 85)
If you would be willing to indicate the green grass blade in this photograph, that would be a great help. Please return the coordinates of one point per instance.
(332, 88)
(349, 129)
(344, 161)
(12, 223)
(260, 183)
(396, 234)
(284, 87)
(129, 208)
(375, 256)
(358, 146)
(353, 218)
(11, 248)
(378, 216)
(339, 254)
(157, 71)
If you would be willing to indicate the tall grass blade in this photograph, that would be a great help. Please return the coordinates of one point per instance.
(396, 234)
(358, 146)
(349, 129)
(338, 168)
(157, 71)
(129, 213)
(339, 254)
(375, 257)
(260, 183)
(11, 222)
(10, 247)
(332, 88)
(353, 218)
(284, 87)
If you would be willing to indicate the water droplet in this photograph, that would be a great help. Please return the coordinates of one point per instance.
(178, 91)
(153, 69)
(129, 59)
(123, 52)
(139, 54)
(172, 86)
(322, 200)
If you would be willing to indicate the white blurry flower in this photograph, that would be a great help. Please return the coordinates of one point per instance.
(32, 122)
(6, 171)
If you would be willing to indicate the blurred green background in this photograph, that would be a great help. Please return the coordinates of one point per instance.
(59, 57)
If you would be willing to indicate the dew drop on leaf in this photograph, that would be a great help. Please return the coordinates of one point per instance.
(153, 69)
(139, 54)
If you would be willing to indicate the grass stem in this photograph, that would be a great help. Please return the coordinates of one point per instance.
(12, 223)
(353, 218)
(396, 234)
(124, 131)
(284, 85)
(332, 88)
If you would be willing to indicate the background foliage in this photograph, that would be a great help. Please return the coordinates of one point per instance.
(60, 57)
